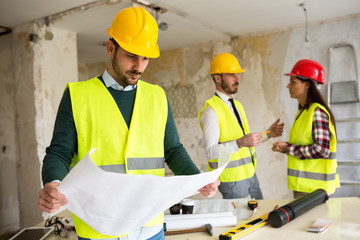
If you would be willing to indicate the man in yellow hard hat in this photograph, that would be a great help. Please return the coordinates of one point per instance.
(224, 122)
(118, 114)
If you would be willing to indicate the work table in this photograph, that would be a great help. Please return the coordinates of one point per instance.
(343, 212)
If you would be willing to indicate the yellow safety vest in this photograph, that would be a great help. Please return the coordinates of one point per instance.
(307, 175)
(242, 164)
(99, 124)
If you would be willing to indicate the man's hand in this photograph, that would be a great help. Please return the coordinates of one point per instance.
(50, 199)
(276, 129)
(280, 146)
(210, 189)
(250, 140)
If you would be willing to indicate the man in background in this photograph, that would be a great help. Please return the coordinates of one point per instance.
(224, 122)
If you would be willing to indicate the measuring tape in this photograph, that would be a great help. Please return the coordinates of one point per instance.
(252, 204)
(244, 229)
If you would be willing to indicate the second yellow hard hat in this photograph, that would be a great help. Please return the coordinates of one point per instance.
(225, 63)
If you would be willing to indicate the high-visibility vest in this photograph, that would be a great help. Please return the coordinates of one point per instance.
(242, 164)
(307, 175)
(99, 124)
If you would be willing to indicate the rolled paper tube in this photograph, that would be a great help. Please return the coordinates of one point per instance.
(195, 221)
(294, 209)
(193, 216)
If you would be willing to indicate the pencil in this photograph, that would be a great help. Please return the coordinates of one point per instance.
(265, 132)
(233, 204)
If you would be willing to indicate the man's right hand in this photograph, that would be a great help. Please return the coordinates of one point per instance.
(50, 199)
(250, 140)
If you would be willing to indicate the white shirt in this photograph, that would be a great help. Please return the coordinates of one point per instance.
(211, 130)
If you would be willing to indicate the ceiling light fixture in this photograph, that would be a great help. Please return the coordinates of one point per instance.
(37, 32)
(307, 37)
(48, 35)
(59, 15)
(163, 26)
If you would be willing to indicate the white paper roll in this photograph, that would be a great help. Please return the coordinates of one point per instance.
(186, 222)
(195, 216)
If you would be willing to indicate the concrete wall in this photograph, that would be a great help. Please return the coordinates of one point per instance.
(37, 77)
(34, 83)
(184, 74)
(10, 212)
(24, 105)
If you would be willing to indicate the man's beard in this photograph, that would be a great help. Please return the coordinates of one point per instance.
(122, 78)
(227, 88)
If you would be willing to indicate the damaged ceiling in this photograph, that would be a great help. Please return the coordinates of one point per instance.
(187, 21)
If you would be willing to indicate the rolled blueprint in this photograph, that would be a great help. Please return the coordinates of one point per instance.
(294, 209)
(186, 221)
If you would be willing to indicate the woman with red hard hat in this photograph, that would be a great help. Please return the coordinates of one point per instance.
(311, 148)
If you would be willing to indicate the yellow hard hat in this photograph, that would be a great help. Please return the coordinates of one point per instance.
(225, 63)
(136, 31)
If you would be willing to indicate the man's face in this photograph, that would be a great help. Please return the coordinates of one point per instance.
(127, 67)
(229, 82)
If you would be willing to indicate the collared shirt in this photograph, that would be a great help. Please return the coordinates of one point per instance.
(211, 130)
(321, 135)
(143, 232)
(110, 82)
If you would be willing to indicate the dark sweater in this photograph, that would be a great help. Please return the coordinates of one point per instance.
(64, 141)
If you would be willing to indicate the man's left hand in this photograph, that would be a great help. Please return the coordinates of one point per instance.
(210, 189)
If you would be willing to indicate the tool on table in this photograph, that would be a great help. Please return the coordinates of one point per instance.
(245, 228)
(279, 216)
(207, 228)
(292, 210)
(252, 204)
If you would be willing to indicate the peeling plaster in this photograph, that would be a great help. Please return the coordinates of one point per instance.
(169, 62)
(25, 37)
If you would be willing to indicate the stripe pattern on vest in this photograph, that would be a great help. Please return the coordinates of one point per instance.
(311, 175)
(232, 164)
(136, 164)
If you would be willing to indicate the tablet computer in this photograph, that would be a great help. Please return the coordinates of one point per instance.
(33, 233)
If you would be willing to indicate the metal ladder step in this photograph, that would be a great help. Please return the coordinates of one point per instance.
(343, 94)
(348, 162)
(350, 140)
(349, 182)
(346, 120)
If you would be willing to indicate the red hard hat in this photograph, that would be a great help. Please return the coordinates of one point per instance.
(308, 69)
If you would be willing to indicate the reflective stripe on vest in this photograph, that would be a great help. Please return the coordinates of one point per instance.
(135, 164)
(243, 162)
(307, 175)
(99, 124)
(232, 164)
(311, 175)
